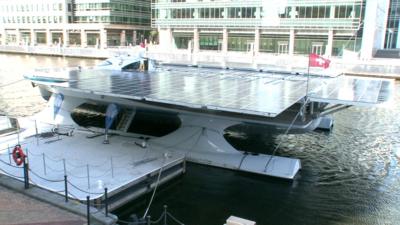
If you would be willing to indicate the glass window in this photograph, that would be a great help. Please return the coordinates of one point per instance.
(240, 42)
(210, 42)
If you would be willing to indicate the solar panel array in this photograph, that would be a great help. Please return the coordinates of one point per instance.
(247, 92)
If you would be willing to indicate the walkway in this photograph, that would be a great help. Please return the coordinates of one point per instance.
(16, 208)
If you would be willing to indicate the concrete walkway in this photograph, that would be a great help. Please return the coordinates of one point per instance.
(16, 208)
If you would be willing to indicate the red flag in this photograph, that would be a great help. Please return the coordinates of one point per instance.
(318, 61)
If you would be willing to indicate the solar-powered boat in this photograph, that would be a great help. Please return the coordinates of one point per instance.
(208, 100)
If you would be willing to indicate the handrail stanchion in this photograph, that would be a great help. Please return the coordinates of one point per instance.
(88, 209)
(112, 167)
(9, 153)
(165, 214)
(88, 176)
(66, 187)
(106, 200)
(26, 173)
(65, 167)
(36, 135)
(44, 164)
(148, 220)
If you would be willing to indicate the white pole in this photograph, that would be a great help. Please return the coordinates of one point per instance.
(36, 130)
(9, 153)
(65, 168)
(88, 176)
(44, 164)
(112, 167)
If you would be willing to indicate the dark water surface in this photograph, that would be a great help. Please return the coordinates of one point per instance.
(349, 176)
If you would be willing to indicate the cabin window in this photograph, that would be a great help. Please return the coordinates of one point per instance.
(92, 115)
(132, 66)
(104, 63)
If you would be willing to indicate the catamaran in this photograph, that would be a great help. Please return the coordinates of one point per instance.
(206, 101)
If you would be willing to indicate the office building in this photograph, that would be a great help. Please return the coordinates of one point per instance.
(291, 27)
(83, 23)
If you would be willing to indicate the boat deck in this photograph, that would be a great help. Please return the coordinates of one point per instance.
(89, 164)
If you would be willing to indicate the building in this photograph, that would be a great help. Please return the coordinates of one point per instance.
(82, 23)
(393, 25)
(291, 27)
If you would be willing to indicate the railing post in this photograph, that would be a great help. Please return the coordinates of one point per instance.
(26, 172)
(44, 163)
(88, 209)
(66, 187)
(88, 176)
(9, 153)
(106, 200)
(65, 167)
(36, 135)
(112, 167)
(165, 214)
(148, 220)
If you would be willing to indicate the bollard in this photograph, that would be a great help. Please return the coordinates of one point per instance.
(66, 188)
(44, 164)
(26, 173)
(106, 200)
(165, 214)
(88, 209)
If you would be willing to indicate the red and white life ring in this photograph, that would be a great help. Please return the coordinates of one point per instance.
(18, 155)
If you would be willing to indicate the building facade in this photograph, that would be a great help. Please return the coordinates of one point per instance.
(291, 27)
(96, 23)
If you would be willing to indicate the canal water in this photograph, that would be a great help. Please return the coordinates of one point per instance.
(349, 176)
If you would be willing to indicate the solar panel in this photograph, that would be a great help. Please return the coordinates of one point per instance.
(350, 90)
(247, 92)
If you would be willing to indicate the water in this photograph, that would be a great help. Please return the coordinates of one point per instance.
(349, 176)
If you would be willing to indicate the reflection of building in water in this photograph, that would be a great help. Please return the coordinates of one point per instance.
(272, 26)
(74, 22)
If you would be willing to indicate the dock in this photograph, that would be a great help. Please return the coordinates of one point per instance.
(82, 166)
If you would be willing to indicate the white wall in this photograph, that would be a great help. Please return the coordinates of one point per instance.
(375, 19)
(165, 37)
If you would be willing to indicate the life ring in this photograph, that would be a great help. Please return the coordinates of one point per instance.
(18, 155)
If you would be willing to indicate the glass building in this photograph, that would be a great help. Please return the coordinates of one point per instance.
(102, 23)
(269, 26)
(393, 25)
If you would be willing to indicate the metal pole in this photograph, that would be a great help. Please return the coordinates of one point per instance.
(66, 187)
(148, 220)
(36, 130)
(88, 178)
(18, 135)
(9, 153)
(65, 167)
(106, 200)
(44, 164)
(88, 209)
(26, 174)
(165, 214)
(308, 76)
(112, 167)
